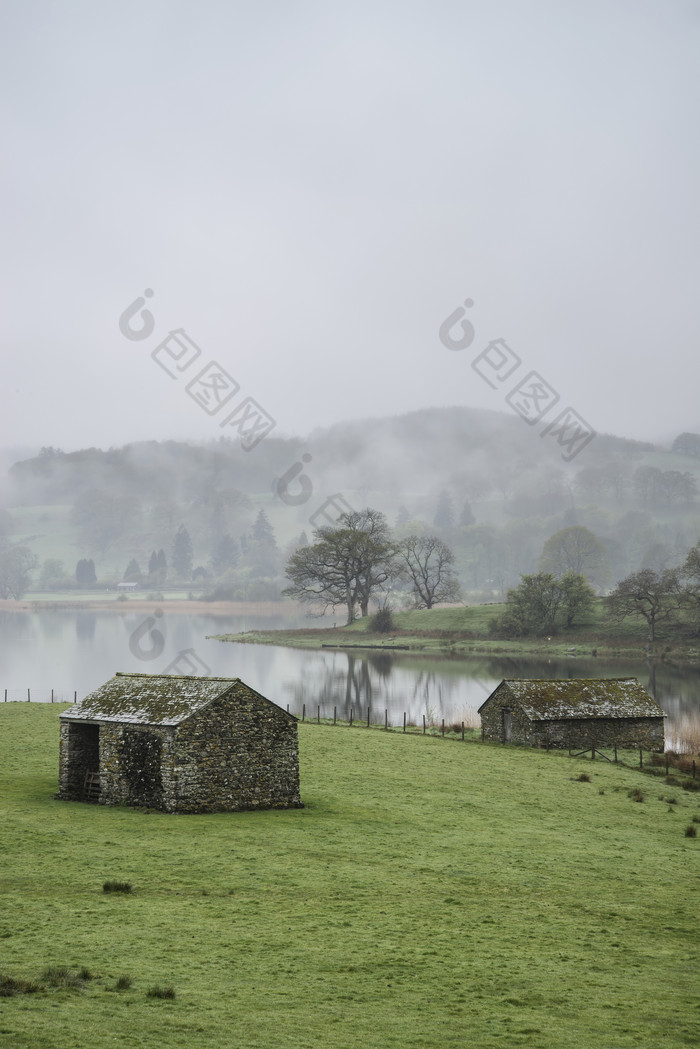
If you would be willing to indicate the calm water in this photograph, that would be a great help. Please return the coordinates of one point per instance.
(70, 650)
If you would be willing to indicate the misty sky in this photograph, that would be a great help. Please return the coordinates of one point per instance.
(309, 189)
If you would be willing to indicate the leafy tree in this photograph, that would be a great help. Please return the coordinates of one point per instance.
(225, 555)
(532, 607)
(466, 517)
(428, 565)
(345, 565)
(653, 596)
(16, 566)
(85, 574)
(157, 568)
(577, 597)
(262, 531)
(444, 519)
(51, 570)
(132, 573)
(577, 550)
(182, 553)
(690, 575)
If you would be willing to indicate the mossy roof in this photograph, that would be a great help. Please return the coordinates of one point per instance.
(153, 699)
(543, 699)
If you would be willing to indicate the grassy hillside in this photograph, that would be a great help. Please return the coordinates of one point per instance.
(430, 893)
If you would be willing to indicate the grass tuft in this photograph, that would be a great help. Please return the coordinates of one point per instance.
(62, 977)
(117, 886)
(636, 794)
(582, 778)
(160, 992)
(10, 986)
(691, 831)
(123, 983)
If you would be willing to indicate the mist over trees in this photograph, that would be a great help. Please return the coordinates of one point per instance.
(503, 502)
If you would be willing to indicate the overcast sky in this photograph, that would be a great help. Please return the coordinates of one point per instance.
(310, 189)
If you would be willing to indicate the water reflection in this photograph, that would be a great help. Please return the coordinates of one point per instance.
(78, 650)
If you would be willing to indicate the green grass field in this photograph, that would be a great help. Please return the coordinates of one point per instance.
(465, 630)
(431, 893)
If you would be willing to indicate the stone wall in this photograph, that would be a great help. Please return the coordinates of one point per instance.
(647, 732)
(239, 753)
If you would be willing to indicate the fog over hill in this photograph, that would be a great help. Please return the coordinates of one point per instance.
(492, 487)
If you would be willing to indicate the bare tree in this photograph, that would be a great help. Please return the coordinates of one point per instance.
(427, 563)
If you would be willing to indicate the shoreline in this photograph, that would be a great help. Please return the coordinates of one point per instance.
(406, 643)
(233, 608)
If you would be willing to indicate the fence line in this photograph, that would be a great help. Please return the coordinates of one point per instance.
(20, 695)
(40, 695)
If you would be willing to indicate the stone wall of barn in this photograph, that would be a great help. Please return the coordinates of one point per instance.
(647, 732)
(492, 719)
(239, 753)
(582, 733)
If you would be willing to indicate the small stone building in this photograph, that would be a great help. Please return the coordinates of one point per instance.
(179, 744)
(577, 712)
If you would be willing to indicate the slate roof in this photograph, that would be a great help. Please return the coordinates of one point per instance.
(151, 699)
(556, 700)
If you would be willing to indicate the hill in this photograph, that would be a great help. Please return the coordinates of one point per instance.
(488, 484)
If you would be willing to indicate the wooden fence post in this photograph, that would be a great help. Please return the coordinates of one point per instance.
(404, 720)
(6, 695)
(350, 717)
(75, 697)
(640, 757)
(303, 711)
(462, 731)
(424, 724)
(482, 733)
(386, 719)
(29, 698)
(318, 715)
(335, 714)
(666, 756)
(615, 753)
(368, 715)
(593, 752)
(443, 728)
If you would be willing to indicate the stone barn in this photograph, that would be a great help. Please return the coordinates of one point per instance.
(576, 712)
(179, 744)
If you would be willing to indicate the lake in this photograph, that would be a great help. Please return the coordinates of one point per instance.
(74, 651)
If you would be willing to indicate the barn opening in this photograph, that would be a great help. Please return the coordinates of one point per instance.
(84, 759)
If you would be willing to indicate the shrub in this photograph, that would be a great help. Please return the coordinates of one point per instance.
(636, 794)
(692, 784)
(583, 778)
(160, 992)
(382, 622)
(691, 831)
(117, 886)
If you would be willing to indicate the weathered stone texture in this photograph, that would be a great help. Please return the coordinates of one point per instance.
(236, 751)
(563, 714)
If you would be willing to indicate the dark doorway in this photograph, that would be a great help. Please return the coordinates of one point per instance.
(83, 757)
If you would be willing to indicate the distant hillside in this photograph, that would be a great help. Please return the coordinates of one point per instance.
(489, 483)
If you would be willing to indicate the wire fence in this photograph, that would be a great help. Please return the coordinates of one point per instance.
(40, 695)
(447, 729)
